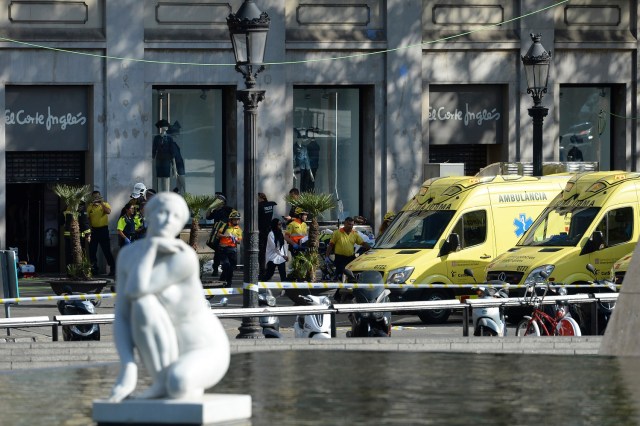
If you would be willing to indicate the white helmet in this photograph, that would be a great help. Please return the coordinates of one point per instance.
(139, 189)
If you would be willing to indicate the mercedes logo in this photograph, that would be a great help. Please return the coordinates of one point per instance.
(502, 276)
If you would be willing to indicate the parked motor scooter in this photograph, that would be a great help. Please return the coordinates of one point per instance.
(489, 321)
(271, 324)
(605, 309)
(314, 326)
(369, 324)
(78, 307)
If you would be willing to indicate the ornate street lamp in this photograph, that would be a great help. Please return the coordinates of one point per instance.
(536, 65)
(248, 30)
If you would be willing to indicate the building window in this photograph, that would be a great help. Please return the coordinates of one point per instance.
(585, 124)
(326, 145)
(190, 158)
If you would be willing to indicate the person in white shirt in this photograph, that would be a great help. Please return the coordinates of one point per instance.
(276, 252)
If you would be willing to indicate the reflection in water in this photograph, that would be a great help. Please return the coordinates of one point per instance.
(363, 388)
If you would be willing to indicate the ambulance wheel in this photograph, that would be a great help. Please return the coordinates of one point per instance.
(435, 316)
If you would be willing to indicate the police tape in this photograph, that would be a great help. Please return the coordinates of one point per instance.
(222, 291)
(100, 296)
(87, 296)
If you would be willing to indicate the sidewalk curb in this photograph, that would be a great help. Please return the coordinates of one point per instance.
(22, 355)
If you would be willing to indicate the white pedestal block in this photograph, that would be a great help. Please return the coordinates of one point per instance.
(210, 409)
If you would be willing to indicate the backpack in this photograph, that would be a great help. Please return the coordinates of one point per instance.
(213, 241)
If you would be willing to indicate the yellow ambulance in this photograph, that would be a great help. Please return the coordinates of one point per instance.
(452, 224)
(619, 268)
(593, 220)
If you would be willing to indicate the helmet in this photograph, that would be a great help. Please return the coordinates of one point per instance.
(300, 210)
(389, 215)
(138, 190)
(234, 215)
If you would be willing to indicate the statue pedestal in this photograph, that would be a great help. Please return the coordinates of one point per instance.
(210, 409)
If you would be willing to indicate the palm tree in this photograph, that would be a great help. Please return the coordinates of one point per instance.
(196, 204)
(306, 264)
(72, 196)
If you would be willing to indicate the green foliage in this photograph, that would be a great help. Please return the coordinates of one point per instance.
(80, 271)
(72, 196)
(314, 203)
(202, 259)
(198, 203)
(304, 266)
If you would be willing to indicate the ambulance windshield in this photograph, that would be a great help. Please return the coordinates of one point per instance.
(415, 229)
(560, 227)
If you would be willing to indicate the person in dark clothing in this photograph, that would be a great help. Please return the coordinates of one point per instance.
(219, 216)
(265, 214)
(276, 252)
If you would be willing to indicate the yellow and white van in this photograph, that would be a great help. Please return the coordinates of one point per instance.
(619, 268)
(452, 224)
(593, 220)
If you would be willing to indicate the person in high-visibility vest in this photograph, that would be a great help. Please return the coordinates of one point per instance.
(126, 227)
(98, 212)
(386, 221)
(343, 243)
(297, 231)
(230, 236)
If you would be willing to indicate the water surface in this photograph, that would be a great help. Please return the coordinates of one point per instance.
(365, 388)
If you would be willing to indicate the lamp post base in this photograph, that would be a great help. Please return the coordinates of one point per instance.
(250, 330)
(538, 113)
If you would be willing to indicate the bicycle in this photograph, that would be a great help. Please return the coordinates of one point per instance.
(542, 324)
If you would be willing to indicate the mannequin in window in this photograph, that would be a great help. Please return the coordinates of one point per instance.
(174, 132)
(301, 164)
(162, 154)
(314, 159)
(165, 152)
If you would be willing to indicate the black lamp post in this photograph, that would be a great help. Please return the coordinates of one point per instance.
(536, 65)
(248, 30)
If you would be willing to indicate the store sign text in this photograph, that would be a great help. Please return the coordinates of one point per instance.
(442, 114)
(49, 120)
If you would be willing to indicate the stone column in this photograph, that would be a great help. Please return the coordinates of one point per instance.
(402, 152)
(129, 130)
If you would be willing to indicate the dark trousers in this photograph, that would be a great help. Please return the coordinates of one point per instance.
(100, 237)
(228, 261)
(340, 262)
(271, 269)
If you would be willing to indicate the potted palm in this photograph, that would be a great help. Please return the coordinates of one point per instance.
(197, 204)
(79, 277)
(306, 264)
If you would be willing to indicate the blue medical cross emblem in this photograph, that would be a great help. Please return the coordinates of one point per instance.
(522, 223)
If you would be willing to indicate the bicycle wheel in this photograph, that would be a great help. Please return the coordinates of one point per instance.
(527, 327)
(567, 326)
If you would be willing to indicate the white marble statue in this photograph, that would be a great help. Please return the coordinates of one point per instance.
(160, 311)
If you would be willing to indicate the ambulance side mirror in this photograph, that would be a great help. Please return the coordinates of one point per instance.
(594, 243)
(452, 244)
